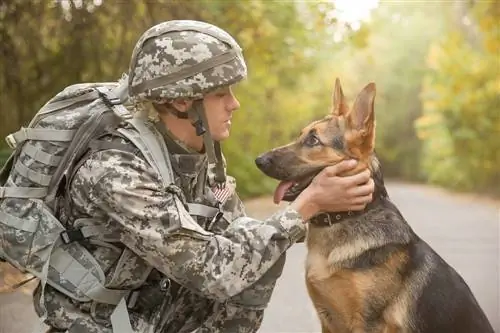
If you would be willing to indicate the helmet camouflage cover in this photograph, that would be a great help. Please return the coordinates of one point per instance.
(184, 58)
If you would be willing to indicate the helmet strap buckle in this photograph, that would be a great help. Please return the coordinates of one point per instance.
(199, 121)
(200, 129)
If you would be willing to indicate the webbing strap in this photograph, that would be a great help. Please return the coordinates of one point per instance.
(29, 225)
(32, 175)
(72, 271)
(43, 134)
(23, 192)
(214, 153)
(153, 148)
(40, 156)
(202, 210)
(14, 139)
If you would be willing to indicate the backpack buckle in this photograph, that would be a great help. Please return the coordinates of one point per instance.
(218, 215)
(74, 235)
(11, 141)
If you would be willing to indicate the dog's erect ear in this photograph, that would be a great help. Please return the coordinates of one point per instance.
(339, 106)
(362, 115)
(361, 119)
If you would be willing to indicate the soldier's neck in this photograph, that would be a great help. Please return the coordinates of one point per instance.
(183, 131)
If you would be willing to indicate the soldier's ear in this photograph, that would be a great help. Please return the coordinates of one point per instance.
(182, 104)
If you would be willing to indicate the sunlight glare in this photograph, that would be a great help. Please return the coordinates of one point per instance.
(354, 12)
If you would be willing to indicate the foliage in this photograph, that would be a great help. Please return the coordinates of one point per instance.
(398, 37)
(460, 127)
(4, 155)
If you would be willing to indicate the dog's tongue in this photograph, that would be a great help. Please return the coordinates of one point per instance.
(279, 193)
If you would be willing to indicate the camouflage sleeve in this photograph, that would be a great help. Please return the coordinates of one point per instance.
(155, 225)
(237, 209)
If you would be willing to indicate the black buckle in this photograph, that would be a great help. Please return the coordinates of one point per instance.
(74, 235)
(325, 218)
(219, 214)
(200, 129)
(108, 100)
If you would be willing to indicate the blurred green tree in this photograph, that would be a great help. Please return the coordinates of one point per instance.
(460, 127)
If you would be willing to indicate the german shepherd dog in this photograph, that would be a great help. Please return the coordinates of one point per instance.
(368, 271)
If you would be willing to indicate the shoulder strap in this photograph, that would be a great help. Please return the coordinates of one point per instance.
(152, 146)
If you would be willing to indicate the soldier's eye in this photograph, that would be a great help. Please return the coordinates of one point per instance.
(312, 140)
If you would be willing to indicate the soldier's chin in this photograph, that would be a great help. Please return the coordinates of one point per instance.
(221, 135)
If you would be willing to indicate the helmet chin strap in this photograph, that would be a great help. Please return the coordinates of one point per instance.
(216, 174)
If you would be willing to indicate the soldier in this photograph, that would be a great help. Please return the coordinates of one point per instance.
(202, 274)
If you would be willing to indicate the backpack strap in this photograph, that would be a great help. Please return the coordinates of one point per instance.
(202, 210)
(152, 146)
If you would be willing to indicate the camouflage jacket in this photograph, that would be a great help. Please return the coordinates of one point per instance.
(219, 260)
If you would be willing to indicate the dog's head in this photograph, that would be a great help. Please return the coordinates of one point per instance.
(346, 133)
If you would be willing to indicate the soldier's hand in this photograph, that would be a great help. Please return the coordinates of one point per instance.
(329, 192)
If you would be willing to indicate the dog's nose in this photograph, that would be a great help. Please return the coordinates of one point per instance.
(262, 160)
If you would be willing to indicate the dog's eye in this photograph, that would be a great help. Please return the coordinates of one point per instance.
(311, 141)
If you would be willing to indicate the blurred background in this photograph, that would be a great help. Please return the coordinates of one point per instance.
(436, 65)
(437, 69)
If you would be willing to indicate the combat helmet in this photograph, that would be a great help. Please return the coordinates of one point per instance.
(186, 59)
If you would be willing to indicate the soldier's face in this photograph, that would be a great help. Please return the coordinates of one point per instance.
(219, 107)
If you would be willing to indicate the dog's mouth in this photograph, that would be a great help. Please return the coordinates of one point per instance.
(288, 190)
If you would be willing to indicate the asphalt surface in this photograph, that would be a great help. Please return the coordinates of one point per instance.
(464, 230)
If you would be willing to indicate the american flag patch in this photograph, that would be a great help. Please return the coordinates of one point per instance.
(223, 193)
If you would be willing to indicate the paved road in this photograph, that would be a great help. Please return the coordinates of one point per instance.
(463, 229)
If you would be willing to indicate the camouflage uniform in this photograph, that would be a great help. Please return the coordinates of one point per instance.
(207, 276)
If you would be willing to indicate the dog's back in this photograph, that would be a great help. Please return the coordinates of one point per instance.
(371, 273)
(446, 303)
(368, 271)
